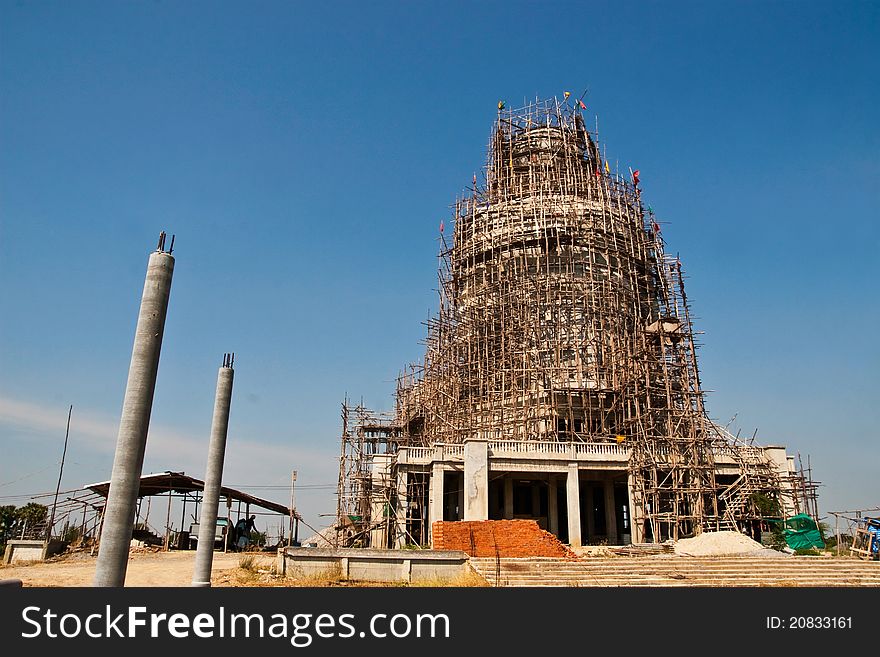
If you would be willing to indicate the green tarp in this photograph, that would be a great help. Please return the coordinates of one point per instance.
(801, 533)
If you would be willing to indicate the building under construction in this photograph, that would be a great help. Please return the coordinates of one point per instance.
(560, 380)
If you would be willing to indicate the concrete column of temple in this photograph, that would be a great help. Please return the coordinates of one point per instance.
(134, 424)
(508, 497)
(461, 498)
(572, 492)
(591, 511)
(536, 499)
(635, 515)
(610, 514)
(435, 497)
(380, 480)
(402, 538)
(476, 480)
(552, 506)
(214, 475)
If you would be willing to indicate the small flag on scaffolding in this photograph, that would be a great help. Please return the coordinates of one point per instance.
(655, 226)
(500, 104)
(607, 168)
(441, 225)
(635, 177)
(566, 94)
(581, 103)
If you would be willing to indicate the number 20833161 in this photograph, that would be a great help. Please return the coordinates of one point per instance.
(809, 623)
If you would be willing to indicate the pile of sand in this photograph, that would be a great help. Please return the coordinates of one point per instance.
(326, 538)
(711, 544)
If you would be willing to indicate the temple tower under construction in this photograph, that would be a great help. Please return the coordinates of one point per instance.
(560, 379)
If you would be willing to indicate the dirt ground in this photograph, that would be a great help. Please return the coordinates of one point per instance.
(144, 569)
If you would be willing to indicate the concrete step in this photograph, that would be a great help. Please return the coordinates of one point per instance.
(640, 563)
(685, 573)
(628, 578)
(665, 570)
(727, 582)
(690, 584)
(706, 572)
(702, 571)
(682, 574)
(666, 558)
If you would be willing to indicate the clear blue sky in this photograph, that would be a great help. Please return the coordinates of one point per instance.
(304, 155)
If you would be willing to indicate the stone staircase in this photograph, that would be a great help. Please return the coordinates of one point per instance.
(669, 570)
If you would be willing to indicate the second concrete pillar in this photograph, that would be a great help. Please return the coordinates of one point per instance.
(572, 491)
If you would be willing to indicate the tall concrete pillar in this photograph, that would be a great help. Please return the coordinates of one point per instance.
(402, 537)
(536, 499)
(636, 519)
(476, 480)
(435, 498)
(508, 497)
(610, 514)
(135, 421)
(591, 511)
(214, 475)
(552, 506)
(572, 492)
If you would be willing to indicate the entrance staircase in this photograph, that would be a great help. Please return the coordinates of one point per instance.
(668, 570)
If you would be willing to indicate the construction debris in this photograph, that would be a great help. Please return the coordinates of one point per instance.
(499, 538)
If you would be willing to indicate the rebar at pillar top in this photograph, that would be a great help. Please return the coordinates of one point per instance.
(161, 246)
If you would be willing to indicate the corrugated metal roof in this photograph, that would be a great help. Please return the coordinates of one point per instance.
(178, 482)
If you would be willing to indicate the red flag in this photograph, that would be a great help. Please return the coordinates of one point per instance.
(441, 225)
(583, 107)
(636, 176)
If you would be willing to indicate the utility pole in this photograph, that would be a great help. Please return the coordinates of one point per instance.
(290, 537)
(60, 472)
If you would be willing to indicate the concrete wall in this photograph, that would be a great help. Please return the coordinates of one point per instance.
(373, 565)
(19, 551)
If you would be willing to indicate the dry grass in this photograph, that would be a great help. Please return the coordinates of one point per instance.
(251, 571)
(20, 564)
(468, 579)
(330, 577)
(248, 562)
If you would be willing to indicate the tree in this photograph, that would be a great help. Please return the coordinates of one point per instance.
(7, 522)
(28, 517)
(768, 506)
(13, 520)
(31, 514)
(70, 534)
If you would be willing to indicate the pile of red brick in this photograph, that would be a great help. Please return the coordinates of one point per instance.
(511, 538)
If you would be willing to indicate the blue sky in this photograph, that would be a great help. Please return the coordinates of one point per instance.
(305, 155)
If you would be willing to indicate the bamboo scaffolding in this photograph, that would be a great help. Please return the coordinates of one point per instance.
(561, 318)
